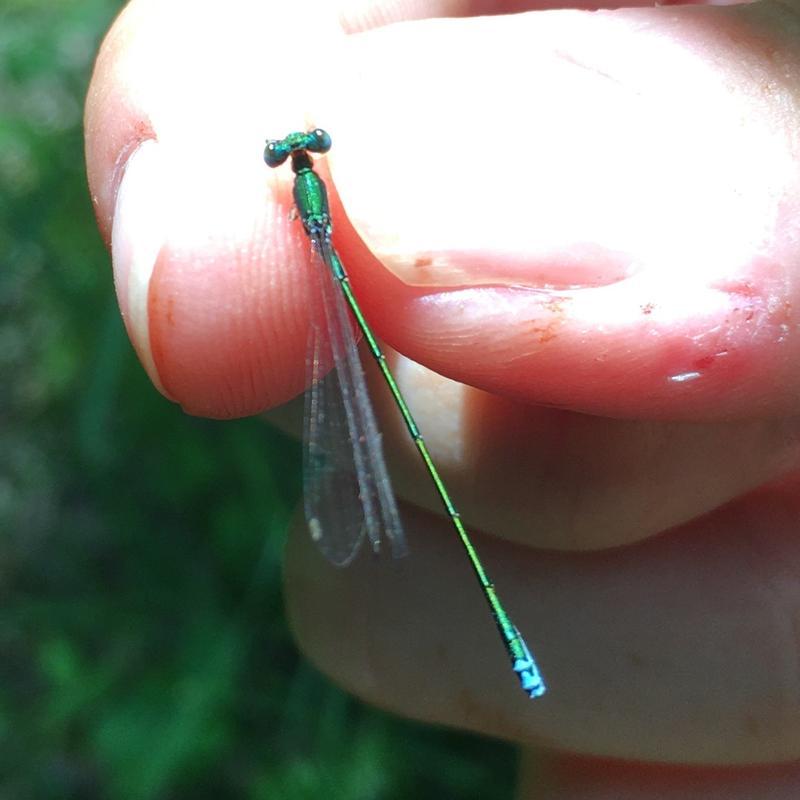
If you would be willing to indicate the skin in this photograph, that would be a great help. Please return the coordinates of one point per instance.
(586, 227)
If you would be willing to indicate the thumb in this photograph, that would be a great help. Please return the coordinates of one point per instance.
(208, 267)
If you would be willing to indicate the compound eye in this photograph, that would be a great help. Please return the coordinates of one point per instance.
(321, 141)
(275, 153)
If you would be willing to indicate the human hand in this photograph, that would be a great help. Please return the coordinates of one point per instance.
(591, 218)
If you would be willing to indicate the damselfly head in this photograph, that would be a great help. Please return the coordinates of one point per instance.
(313, 141)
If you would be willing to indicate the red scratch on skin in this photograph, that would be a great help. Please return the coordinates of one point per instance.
(736, 349)
(759, 308)
(760, 300)
(545, 331)
(706, 362)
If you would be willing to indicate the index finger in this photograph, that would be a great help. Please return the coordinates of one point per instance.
(603, 272)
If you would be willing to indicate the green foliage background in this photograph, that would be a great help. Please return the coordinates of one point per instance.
(144, 652)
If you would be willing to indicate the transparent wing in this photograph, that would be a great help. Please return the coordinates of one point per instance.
(348, 492)
(331, 501)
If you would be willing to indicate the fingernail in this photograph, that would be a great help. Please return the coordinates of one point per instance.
(137, 236)
(587, 265)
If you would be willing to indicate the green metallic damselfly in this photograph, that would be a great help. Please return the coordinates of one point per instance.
(340, 510)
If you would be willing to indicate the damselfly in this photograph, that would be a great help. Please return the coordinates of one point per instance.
(340, 510)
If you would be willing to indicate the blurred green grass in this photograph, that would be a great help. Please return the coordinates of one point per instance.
(144, 652)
